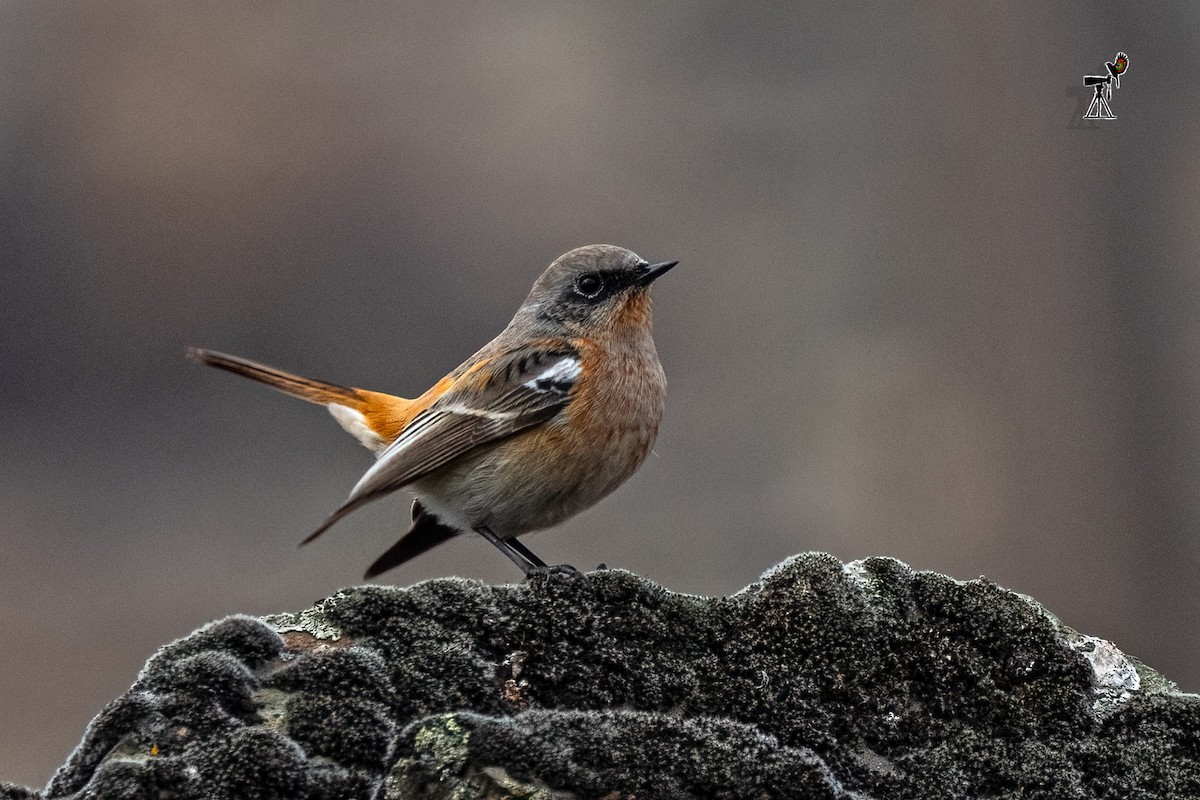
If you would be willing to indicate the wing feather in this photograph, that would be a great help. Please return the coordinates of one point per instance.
(517, 389)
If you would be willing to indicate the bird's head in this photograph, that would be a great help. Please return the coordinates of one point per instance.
(595, 289)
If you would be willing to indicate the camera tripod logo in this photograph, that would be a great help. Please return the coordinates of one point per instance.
(1104, 85)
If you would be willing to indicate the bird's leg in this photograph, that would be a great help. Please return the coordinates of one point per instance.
(525, 551)
(540, 567)
(514, 555)
(522, 556)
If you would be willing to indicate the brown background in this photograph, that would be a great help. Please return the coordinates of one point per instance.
(923, 309)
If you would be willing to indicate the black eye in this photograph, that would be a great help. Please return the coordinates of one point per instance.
(589, 285)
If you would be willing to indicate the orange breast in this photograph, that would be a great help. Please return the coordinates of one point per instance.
(612, 420)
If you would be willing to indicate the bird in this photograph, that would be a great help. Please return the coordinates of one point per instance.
(540, 424)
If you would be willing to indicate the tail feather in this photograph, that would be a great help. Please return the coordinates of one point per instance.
(297, 386)
(374, 418)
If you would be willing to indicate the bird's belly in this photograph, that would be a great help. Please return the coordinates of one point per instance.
(535, 479)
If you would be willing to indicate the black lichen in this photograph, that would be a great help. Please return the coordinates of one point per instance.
(820, 680)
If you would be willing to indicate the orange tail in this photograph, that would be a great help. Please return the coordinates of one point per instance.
(295, 385)
(374, 418)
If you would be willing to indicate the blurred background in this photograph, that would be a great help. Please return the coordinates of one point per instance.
(924, 310)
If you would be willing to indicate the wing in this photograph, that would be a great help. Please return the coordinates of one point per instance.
(426, 533)
(492, 399)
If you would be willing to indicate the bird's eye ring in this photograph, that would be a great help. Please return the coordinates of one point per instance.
(589, 285)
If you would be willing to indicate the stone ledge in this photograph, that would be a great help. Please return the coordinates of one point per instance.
(820, 680)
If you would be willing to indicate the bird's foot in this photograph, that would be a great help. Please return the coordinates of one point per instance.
(545, 571)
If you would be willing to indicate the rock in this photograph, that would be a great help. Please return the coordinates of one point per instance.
(864, 681)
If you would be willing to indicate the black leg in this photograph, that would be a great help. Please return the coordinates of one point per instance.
(506, 546)
(537, 565)
(525, 551)
(522, 556)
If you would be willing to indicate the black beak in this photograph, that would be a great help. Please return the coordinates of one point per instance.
(653, 271)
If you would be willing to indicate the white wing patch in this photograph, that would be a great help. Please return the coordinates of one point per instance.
(471, 411)
(559, 377)
(356, 425)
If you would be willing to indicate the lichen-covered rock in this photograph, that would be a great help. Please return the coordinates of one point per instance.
(820, 680)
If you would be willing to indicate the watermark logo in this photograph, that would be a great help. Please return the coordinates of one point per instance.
(1104, 85)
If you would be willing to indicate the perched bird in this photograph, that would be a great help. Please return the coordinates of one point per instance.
(544, 421)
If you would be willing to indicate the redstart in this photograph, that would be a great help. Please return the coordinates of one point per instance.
(544, 421)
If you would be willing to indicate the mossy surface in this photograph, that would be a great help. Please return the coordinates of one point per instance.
(820, 680)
